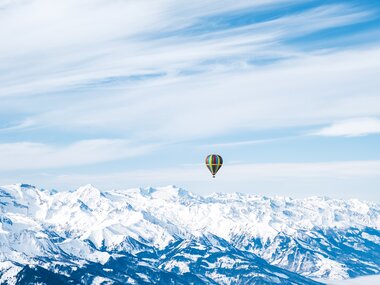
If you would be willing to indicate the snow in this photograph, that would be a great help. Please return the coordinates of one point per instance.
(84, 250)
(372, 238)
(225, 262)
(328, 267)
(86, 221)
(281, 275)
(101, 281)
(131, 281)
(181, 266)
(143, 276)
(8, 272)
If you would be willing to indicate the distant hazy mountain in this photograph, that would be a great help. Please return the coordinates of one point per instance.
(171, 236)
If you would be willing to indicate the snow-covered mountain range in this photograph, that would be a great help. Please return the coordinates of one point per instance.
(170, 236)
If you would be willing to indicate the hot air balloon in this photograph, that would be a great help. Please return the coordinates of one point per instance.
(214, 162)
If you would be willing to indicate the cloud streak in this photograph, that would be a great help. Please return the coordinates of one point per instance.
(29, 155)
(291, 179)
(101, 51)
(306, 92)
(236, 173)
(351, 128)
(67, 47)
(179, 74)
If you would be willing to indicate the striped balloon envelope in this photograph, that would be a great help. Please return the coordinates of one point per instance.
(214, 162)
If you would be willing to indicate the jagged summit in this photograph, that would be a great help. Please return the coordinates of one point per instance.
(174, 231)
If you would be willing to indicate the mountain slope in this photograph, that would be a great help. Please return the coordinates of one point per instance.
(176, 236)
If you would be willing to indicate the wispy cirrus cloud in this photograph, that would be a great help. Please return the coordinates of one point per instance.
(351, 128)
(237, 172)
(67, 47)
(259, 178)
(300, 92)
(30, 155)
(246, 142)
(156, 72)
(93, 56)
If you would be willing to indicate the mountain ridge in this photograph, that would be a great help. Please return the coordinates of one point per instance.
(315, 237)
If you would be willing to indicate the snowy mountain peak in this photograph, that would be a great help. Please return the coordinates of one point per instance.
(316, 237)
(87, 190)
(168, 193)
(87, 193)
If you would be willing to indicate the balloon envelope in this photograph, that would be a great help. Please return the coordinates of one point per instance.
(214, 162)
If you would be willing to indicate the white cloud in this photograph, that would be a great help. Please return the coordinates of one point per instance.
(29, 155)
(230, 173)
(27, 123)
(67, 45)
(307, 170)
(247, 142)
(332, 179)
(303, 92)
(54, 54)
(351, 128)
(300, 92)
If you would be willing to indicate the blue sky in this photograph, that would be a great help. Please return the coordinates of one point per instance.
(124, 94)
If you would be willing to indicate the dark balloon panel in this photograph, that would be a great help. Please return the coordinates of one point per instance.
(214, 162)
